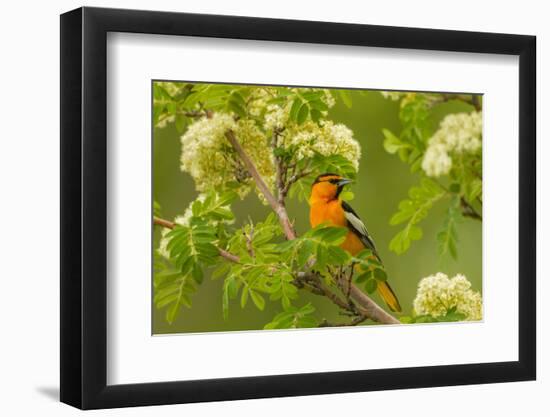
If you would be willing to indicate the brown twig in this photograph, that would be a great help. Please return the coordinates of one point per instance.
(311, 282)
(262, 186)
(280, 167)
(365, 304)
(293, 178)
(164, 223)
(356, 321)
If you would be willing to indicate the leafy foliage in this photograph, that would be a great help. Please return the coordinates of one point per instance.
(293, 318)
(412, 211)
(190, 248)
(447, 238)
(450, 316)
(371, 271)
(464, 180)
(172, 288)
(260, 265)
(318, 248)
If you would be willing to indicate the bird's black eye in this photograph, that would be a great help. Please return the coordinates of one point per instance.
(334, 181)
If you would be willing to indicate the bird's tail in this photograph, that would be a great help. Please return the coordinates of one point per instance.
(388, 296)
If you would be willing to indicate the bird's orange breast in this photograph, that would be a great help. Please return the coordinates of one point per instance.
(333, 213)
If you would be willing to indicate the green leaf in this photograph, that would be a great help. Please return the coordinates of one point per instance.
(380, 274)
(258, 300)
(238, 98)
(447, 237)
(302, 114)
(222, 270)
(412, 211)
(347, 195)
(173, 290)
(364, 254)
(315, 115)
(474, 190)
(156, 209)
(333, 163)
(172, 313)
(312, 95)
(363, 277)
(454, 188)
(236, 108)
(392, 143)
(337, 255)
(296, 106)
(244, 297)
(346, 98)
(401, 242)
(294, 317)
(229, 288)
(318, 105)
(371, 285)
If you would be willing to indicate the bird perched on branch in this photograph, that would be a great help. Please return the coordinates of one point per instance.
(327, 207)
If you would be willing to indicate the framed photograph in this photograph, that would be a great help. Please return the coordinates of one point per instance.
(257, 208)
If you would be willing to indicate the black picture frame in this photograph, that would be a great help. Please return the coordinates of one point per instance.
(84, 207)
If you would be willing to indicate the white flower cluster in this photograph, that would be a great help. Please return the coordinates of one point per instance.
(327, 139)
(258, 99)
(275, 117)
(438, 293)
(392, 95)
(457, 134)
(208, 157)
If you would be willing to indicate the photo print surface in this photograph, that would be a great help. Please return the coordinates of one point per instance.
(280, 207)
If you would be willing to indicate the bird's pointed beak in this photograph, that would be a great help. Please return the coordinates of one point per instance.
(343, 182)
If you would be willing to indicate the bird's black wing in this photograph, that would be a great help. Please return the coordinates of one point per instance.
(359, 228)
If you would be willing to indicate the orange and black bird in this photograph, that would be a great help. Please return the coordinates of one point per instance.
(327, 207)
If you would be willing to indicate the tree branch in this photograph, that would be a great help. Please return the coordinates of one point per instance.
(356, 320)
(365, 304)
(310, 281)
(262, 186)
(280, 167)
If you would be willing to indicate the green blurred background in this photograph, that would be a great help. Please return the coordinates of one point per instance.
(383, 181)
